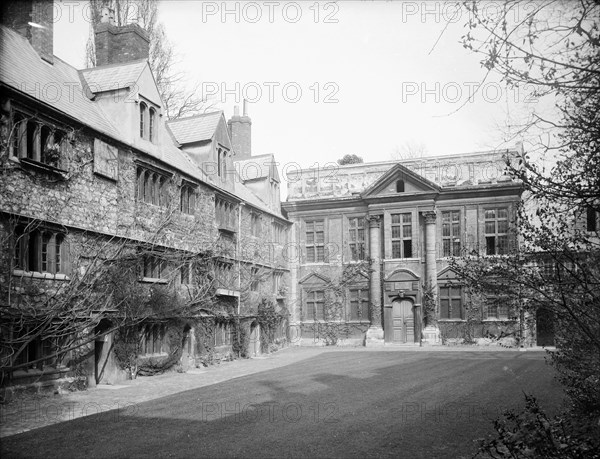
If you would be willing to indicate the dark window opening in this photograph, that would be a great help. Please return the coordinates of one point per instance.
(592, 219)
(399, 186)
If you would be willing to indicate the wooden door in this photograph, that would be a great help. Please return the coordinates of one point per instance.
(403, 321)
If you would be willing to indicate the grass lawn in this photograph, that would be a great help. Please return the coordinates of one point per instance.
(346, 403)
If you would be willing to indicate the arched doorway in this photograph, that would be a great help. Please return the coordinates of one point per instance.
(187, 344)
(254, 339)
(544, 324)
(403, 321)
(102, 348)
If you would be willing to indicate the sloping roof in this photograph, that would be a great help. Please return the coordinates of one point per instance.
(257, 167)
(195, 128)
(56, 85)
(113, 76)
(59, 86)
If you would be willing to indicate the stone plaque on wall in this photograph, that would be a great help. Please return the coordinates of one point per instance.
(106, 160)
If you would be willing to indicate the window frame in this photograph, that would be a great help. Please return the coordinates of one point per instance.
(153, 339)
(314, 246)
(187, 198)
(152, 131)
(254, 279)
(29, 147)
(143, 113)
(404, 242)
(311, 303)
(154, 269)
(362, 302)
(50, 255)
(255, 223)
(356, 243)
(451, 237)
(151, 185)
(499, 249)
(449, 298)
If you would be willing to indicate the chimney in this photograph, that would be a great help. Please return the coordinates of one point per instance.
(240, 132)
(34, 19)
(118, 45)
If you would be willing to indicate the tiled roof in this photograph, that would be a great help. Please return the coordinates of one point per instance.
(60, 87)
(56, 85)
(113, 76)
(195, 128)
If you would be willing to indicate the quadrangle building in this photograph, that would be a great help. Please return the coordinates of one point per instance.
(106, 206)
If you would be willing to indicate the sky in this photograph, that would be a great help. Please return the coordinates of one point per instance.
(328, 79)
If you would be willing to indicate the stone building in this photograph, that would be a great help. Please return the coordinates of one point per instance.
(374, 239)
(99, 193)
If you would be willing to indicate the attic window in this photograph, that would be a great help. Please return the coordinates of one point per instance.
(143, 115)
(152, 126)
(399, 186)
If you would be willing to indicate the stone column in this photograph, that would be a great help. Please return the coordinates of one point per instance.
(375, 332)
(431, 333)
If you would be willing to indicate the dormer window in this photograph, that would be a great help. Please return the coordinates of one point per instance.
(222, 163)
(143, 116)
(399, 186)
(152, 126)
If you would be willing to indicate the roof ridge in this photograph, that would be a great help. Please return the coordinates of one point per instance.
(201, 115)
(108, 66)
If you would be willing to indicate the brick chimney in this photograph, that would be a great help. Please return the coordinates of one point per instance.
(34, 19)
(240, 132)
(118, 45)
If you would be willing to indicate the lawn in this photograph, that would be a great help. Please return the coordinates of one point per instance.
(347, 403)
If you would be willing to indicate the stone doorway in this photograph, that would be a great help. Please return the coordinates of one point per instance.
(403, 321)
(254, 345)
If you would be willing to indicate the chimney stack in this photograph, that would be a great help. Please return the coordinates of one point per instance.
(119, 45)
(34, 19)
(240, 132)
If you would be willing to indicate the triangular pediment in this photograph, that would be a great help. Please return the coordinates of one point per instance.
(314, 279)
(447, 274)
(400, 181)
(359, 277)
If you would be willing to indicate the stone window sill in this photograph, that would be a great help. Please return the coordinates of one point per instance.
(38, 275)
(402, 259)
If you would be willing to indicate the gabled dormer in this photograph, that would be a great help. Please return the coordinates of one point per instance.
(129, 96)
(123, 85)
(260, 174)
(206, 141)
